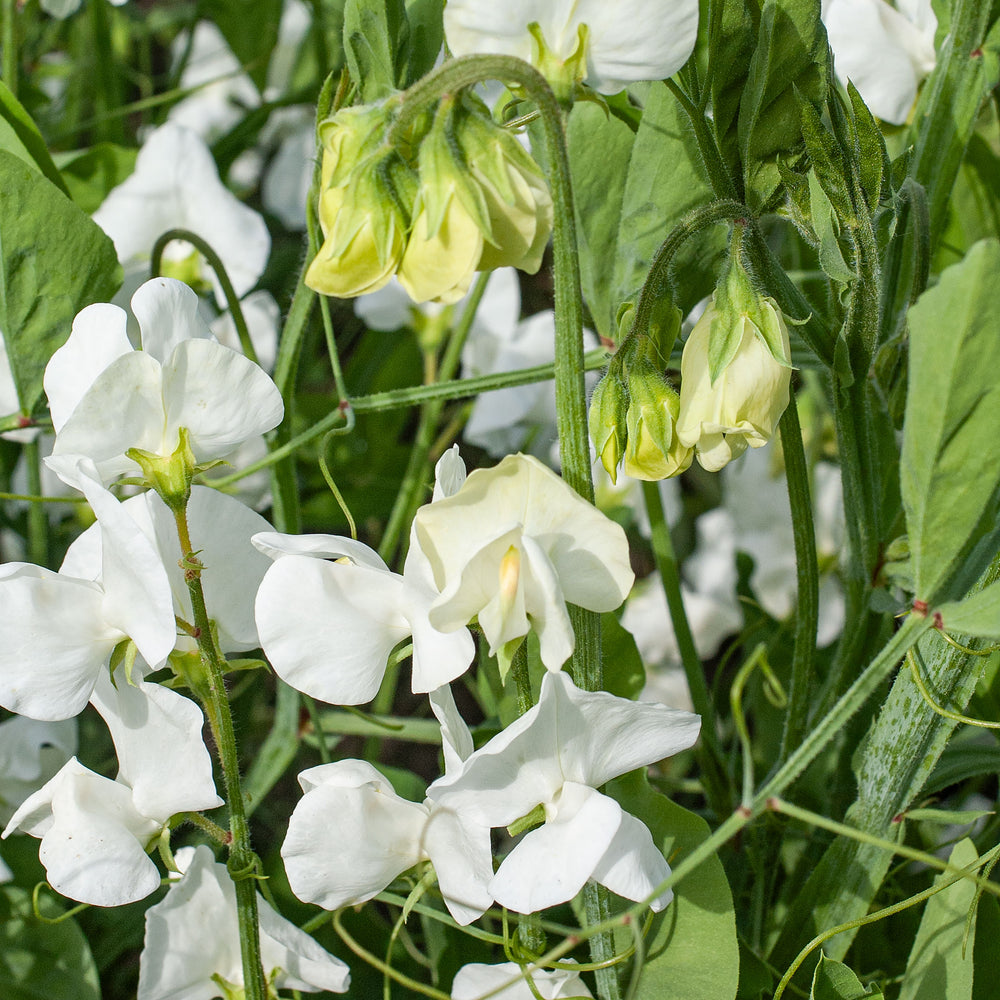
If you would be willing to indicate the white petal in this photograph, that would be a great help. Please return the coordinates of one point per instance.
(53, 641)
(633, 866)
(274, 544)
(167, 313)
(328, 628)
(544, 596)
(345, 845)
(456, 738)
(552, 862)
(263, 317)
(93, 844)
(221, 397)
(462, 856)
(474, 981)
(161, 754)
(98, 338)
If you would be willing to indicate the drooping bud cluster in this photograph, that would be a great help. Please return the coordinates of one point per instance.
(735, 378)
(458, 196)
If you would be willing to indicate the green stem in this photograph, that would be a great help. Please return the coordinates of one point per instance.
(712, 758)
(38, 522)
(108, 93)
(807, 576)
(243, 865)
(8, 39)
(215, 263)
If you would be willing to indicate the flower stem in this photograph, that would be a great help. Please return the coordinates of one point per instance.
(243, 863)
(38, 521)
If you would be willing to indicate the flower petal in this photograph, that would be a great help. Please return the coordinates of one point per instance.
(633, 866)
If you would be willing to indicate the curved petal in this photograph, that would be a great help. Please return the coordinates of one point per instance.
(161, 754)
(274, 545)
(552, 862)
(54, 642)
(473, 981)
(221, 397)
(633, 866)
(167, 312)
(99, 336)
(462, 856)
(345, 845)
(122, 409)
(543, 597)
(328, 628)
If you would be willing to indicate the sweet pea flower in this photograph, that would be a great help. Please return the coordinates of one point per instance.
(175, 185)
(60, 629)
(192, 943)
(549, 757)
(94, 831)
(328, 627)
(884, 50)
(512, 546)
(605, 45)
(351, 834)
(742, 407)
(106, 398)
(475, 980)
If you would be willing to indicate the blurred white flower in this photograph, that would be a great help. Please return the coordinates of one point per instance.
(475, 980)
(64, 8)
(31, 752)
(193, 941)
(884, 49)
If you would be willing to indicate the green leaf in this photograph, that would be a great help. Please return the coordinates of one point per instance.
(600, 146)
(691, 949)
(978, 614)
(54, 260)
(986, 955)
(959, 763)
(732, 35)
(788, 66)
(872, 156)
(19, 135)
(827, 230)
(665, 181)
(374, 34)
(251, 29)
(624, 674)
(833, 980)
(950, 465)
(426, 20)
(91, 173)
(40, 961)
(937, 969)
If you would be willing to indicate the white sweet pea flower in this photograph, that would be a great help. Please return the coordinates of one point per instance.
(192, 942)
(31, 752)
(884, 49)
(607, 45)
(549, 757)
(330, 611)
(175, 185)
(106, 398)
(512, 546)
(59, 629)
(95, 832)
(474, 981)
(351, 834)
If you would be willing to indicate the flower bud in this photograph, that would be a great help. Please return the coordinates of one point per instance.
(742, 406)
(364, 223)
(654, 450)
(608, 406)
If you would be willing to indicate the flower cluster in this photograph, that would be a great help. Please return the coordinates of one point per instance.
(460, 196)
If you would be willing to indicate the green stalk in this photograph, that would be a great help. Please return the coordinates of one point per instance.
(807, 576)
(710, 752)
(243, 864)
(38, 521)
(108, 93)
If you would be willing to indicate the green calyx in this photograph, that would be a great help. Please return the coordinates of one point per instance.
(564, 75)
(170, 475)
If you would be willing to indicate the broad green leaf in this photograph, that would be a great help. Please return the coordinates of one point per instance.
(426, 20)
(950, 465)
(937, 969)
(986, 955)
(91, 173)
(599, 150)
(978, 614)
(374, 35)
(788, 66)
(833, 980)
(251, 29)
(732, 35)
(624, 674)
(691, 949)
(40, 961)
(665, 181)
(54, 260)
(19, 135)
